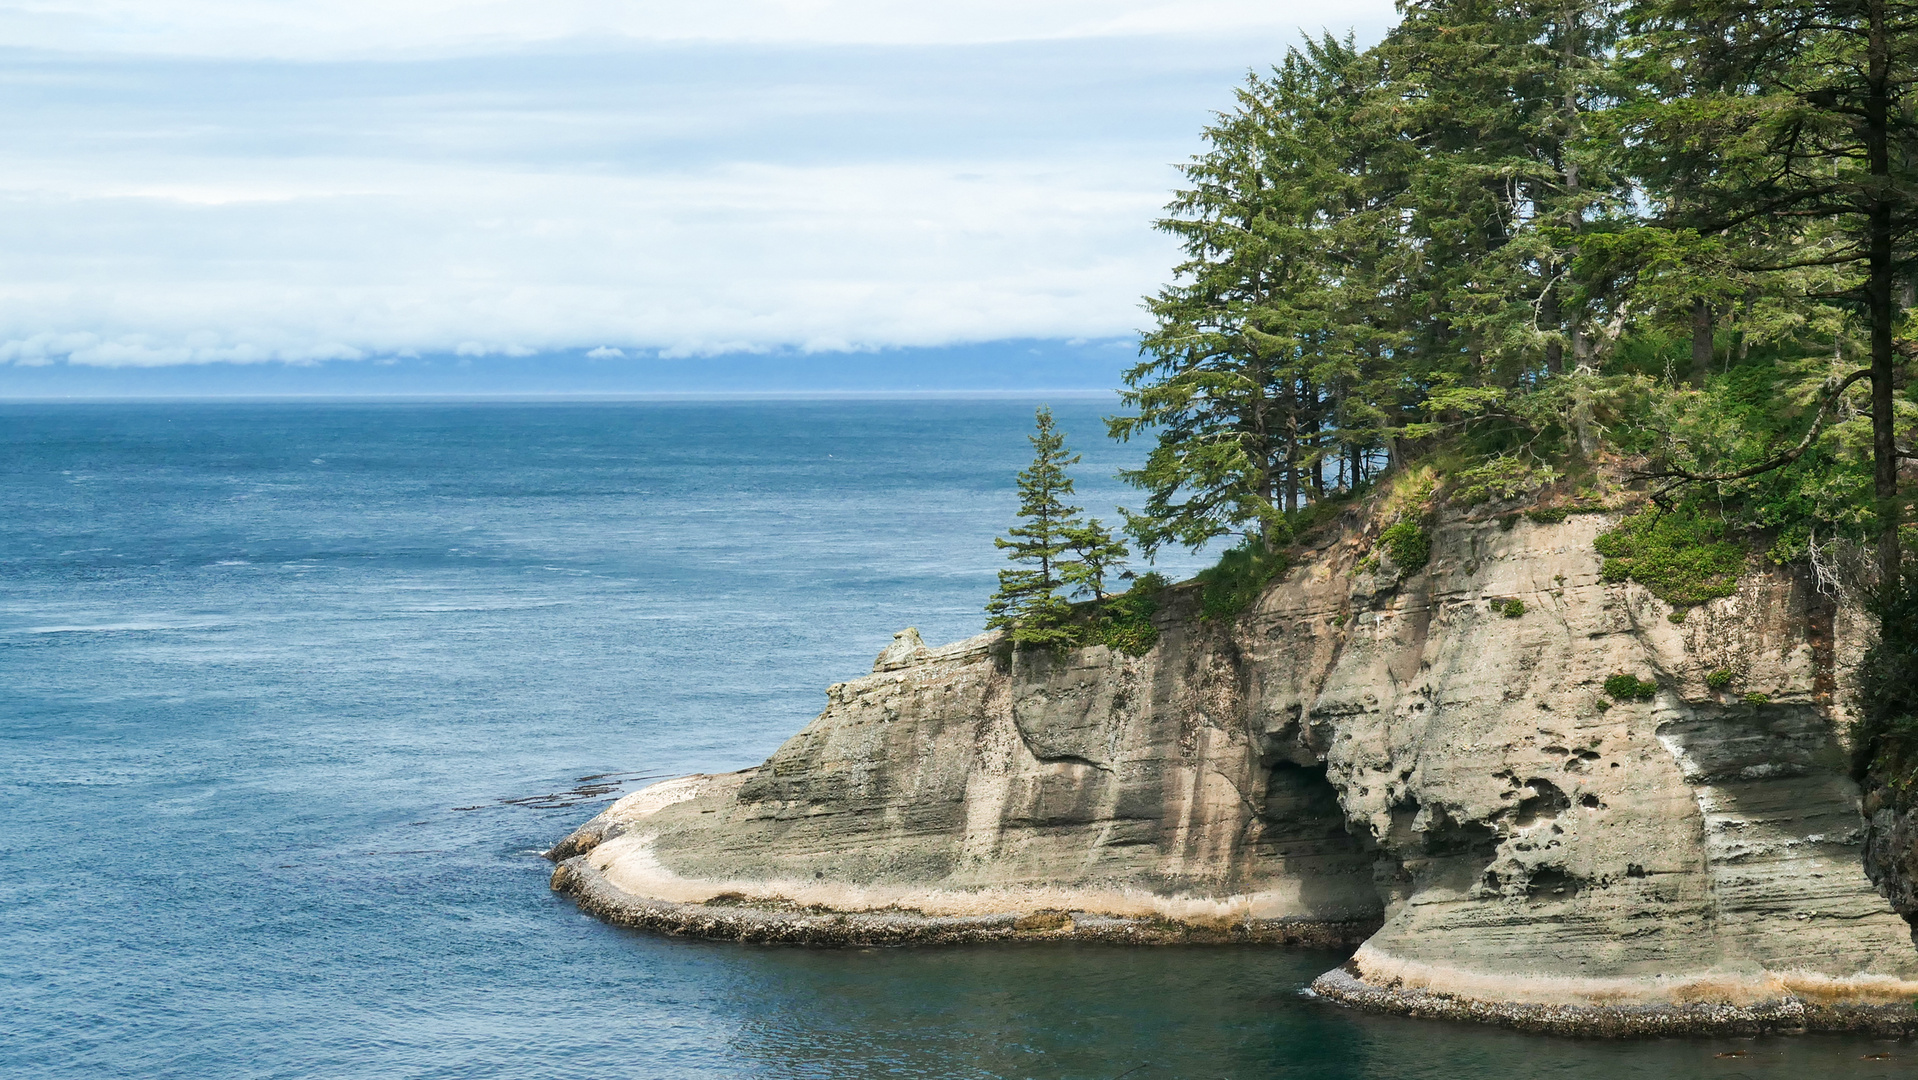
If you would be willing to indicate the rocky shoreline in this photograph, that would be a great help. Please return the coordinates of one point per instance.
(759, 923)
(739, 920)
(1787, 1014)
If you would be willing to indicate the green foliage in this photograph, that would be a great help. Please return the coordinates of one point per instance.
(1043, 547)
(1511, 607)
(1268, 377)
(1676, 617)
(1623, 687)
(1884, 735)
(1719, 679)
(1680, 556)
(1516, 235)
(1756, 698)
(1125, 621)
(1096, 553)
(1150, 583)
(1500, 478)
(1045, 622)
(1409, 546)
(1241, 574)
(1742, 418)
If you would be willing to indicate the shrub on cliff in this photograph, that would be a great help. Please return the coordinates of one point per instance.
(1125, 621)
(1682, 556)
(1623, 687)
(1409, 545)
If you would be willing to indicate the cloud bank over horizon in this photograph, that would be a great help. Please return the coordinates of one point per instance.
(216, 181)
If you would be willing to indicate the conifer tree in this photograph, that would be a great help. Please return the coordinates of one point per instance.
(1803, 112)
(1028, 599)
(1097, 553)
(1271, 358)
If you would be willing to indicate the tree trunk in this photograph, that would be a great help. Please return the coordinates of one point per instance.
(1568, 174)
(1884, 450)
(1548, 314)
(1702, 327)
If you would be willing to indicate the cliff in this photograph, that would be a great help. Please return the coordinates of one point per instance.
(1364, 756)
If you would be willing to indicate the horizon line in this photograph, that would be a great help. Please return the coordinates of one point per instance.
(582, 396)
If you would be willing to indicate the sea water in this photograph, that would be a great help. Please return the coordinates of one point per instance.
(293, 695)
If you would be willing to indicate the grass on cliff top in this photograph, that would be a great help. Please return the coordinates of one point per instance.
(1232, 584)
(1122, 621)
(1681, 556)
(1241, 574)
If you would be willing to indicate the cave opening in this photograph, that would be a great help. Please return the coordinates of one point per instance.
(1302, 833)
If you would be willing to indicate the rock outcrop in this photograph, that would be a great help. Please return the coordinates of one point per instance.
(1891, 840)
(1362, 756)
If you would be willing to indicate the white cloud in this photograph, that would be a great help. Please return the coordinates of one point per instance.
(688, 199)
(336, 28)
(486, 263)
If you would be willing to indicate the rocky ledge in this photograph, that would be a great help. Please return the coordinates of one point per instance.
(1365, 756)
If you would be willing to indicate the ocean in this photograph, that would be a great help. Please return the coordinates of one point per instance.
(292, 695)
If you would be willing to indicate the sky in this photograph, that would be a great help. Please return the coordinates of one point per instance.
(442, 196)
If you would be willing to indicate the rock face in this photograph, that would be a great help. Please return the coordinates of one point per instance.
(1363, 755)
(1891, 845)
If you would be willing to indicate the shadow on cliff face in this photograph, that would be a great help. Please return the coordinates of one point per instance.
(1302, 825)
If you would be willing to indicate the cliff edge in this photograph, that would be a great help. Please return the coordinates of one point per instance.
(1363, 756)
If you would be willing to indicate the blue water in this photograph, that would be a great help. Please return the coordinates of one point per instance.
(292, 695)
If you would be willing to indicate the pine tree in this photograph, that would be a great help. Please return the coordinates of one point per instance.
(1028, 599)
(1056, 550)
(1802, 112)
(1271, 354)
(1499, 96)
(1097, 553)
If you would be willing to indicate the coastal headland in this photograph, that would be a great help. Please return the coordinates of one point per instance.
(1403, 761)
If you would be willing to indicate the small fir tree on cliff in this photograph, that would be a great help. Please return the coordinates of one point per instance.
(1052, 547)
(1098, 553)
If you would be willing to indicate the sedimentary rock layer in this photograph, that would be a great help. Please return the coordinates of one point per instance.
(1364, 754)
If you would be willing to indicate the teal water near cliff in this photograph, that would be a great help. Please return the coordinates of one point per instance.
(291, 697)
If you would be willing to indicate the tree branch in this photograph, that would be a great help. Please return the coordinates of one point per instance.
(1683, 476)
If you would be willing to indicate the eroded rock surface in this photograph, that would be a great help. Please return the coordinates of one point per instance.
(1363, 755)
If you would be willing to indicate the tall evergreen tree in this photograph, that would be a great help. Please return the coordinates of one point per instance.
(1043, 544)
(1497, 95)
(1269, 355)
(1803, 112)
